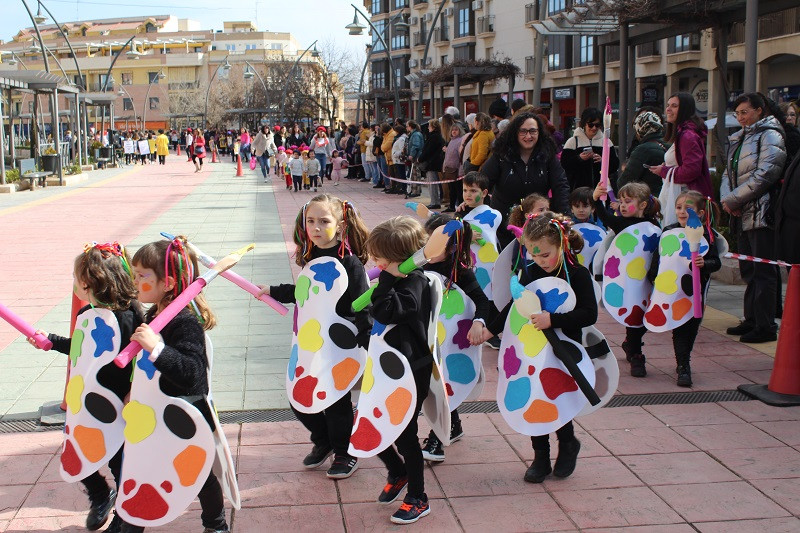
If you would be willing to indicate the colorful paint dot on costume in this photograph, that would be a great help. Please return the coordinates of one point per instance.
(483, 277)
(315, 289)
(70, 461)
(556, 382)
(636, 268)
(85, 323)
(511, 362)
(452, 304)
(301, 289)
(626, 243)
(451, 227)
(532, 340)
(397, 405)
(460, 338)
(103, 336)
(460, 368)
(441, 332)
(680, 308)
(322, 395)
(392, 365)
(669, 245)
(308, 337)
(344, 372)
(146, 365)
(188, 464)
(634, 319)
(146, 504)
(531, 370)
(613, 295)
(325, 273)
(100, 407)
(516, 320)
(540, 412)
(140, 421)
(611, 269)
(488, 253)
(365, 437)
(342, 336)
(487, 218)
(91, 442)
(75, 346)
(651, 242)
(591, 236)
(292, 363)
(581, 260)
(367, 380)
(303, 391)
(656, 316)
(74, 392)
(517, 394)
(552, 299)
(665, 282)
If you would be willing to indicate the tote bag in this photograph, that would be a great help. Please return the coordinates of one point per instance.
(252, 163)
(669, 193)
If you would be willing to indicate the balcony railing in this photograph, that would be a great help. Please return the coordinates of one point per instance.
(442, 35)
(776, 25)
(419, 38)
(485, 24)
(530, 63)
(612, 53)
(531, 13)
(417, 2)
(648, 49)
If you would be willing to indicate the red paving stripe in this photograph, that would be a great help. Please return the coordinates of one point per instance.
(43, 237)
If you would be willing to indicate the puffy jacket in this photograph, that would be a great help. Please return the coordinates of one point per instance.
(481, 146)
(650, 151)
(386, 146)
(259, 144)
(397, 149)
(582, 173)
(369, 156)
(415, 142)
(759, 167)
(690, 151)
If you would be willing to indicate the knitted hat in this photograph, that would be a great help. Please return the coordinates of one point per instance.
(322, 128)
(647, 123)
(281, 149)
(498, 108)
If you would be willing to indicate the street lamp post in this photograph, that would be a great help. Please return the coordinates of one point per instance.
(425, 60)
(159, 75)
(123, 91)
(361, 86)
(289, 76)
(225, 66)
(264, 85)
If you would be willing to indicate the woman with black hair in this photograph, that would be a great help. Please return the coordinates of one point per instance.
(583, 151)
(523, 161)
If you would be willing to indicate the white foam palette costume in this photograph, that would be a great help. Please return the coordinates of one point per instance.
(93, 430)
(535, 393)
(606, 368)
(461, 361)
(487, 220)
(388, 396)
(671, 300)
(626, 289)
(325, 361)
(504, 270)
(170, 449)
(593, 237)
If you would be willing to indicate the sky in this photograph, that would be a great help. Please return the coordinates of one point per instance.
(316, 19)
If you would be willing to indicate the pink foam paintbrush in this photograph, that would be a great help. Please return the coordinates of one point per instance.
(232, 276)
(606, 148)
(163, 318)
(694, 234)
(18, 323)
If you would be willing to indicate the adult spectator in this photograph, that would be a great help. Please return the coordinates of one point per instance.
(790, 110)
(431, 158)
(370, 161)
(466, 146)
(687, 132)
(523, 162)
(388, 133)
(162, 147)
(296, 138)
(498, 109)
(260, 151)
(277, 136)
(453, 112)
(791, 133)
(482, 141)
(756, 158)
(787, 215)
(361, 166)
(649, 151)
(517, 105)
(414, 144)
(446, 123)
(198, 150)
(583, 152)
(398, 149)
(451, 164)
(174, 139)
(244, 144)
(350, 151)
(321, 146)
(380, 158)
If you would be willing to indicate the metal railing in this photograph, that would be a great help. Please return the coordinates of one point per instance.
(442, 35)
(419, 38)
(531, 12)
(530, 63)
(786, 22)
(485, 24)
(649, 49)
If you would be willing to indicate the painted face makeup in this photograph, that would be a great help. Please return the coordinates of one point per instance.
(321, 226)
(151, 291)
(473, 195)
(630, 207)
(546, 255)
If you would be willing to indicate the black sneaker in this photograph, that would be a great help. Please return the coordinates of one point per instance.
(455, 431)
(741, 329)
(99, 511)
(378, 186)
(317, 456)
(412, 510)
(343, 467)
(638, 369)
(684, 376)
(758, 335)
(494, 342)
(432, 449)
(393, 488)
(212, 530)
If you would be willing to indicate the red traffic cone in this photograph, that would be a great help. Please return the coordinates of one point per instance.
(239, 172)
(178, 149)
(214, 157)
(784, 382)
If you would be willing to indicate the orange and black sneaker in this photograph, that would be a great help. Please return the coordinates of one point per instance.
(394, 486)
(412, 510)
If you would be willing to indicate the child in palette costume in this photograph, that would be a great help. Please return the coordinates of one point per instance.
(329, 340)
(465, 310)
(587, 224)
(626, 289)
(398, 374)
(535, 393)
(175, 449)
(671, 303)
(97, 388)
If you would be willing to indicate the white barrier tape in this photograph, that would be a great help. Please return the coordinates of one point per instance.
(754, 259)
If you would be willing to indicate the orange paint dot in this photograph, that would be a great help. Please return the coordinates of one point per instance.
(680, 308)
(188, 464)
(541, 412)
(91, 443)
(146, 287)
(398, 404)
(344, 372)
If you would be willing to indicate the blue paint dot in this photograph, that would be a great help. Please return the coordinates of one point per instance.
(517, 288)
(325, 273)
(487, 218)
(146, 365)
(460, 368)
(552, 299)
(517, 394)
(292, 363)
(483, 277)
(613, 295)
(591, 236)
(378, 328)
(451, 227)
(103, 336)
(651, 242)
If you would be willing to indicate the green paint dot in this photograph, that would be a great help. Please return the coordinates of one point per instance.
(516, 320)
(669, 245)
(627, 243)
(682, 235)
(301, 290)
(452, 304)
(536, 250)
(636, 231)
(85, 323)
(315, 289)
(75, 345)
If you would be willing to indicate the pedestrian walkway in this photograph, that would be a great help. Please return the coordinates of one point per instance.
(724, 466)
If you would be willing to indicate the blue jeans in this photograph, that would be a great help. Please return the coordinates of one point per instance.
(244, 152)
(323, 162)
(263, 160)
(383, 170)
(370, 171)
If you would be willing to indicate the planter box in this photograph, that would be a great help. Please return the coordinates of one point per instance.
(106, 151)
(49, 163)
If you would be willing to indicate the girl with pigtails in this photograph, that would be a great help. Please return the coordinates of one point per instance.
(329, 340)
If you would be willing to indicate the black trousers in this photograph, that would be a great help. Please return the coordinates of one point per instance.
(683, 340)
(332, 427)
(412, 464)
(313, 181)
(564, 433)
(761, 292)
(162, 160)
(634, 336)
(96, 485)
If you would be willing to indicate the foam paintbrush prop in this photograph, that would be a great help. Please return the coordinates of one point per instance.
(436, 245)
(606, 148)
(421, 210)
(182, 300)
(528, 304)
(516, 230)
(694, 233)
(232, 276)
(480, 241)
(18, 323)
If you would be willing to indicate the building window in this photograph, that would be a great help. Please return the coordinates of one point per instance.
(377, 45)
(103, 78)
(150, 28)
(152, 77)
(153, 102)
(399, 40)
(127, 104)
(400, 4)
(444, 59)
(80, 81)
(464, 52)
(684, 43)
(464, 20)
(276, 46)
(558, 53)
(249, 47)
(230, 47)
(378, 7)
(554, 6)
(489, 53)
(586, 50)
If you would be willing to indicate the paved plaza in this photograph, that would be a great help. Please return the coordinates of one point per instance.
(718, 466)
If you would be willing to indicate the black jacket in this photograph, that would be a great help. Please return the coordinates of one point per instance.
(618, 223)
(650, 151)
(182, 362)
(432, 153)
(787, 215)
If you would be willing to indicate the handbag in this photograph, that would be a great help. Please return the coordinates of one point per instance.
(199, 150)
(252, 163)
(669, 193)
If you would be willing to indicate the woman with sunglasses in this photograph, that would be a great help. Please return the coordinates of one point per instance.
(584, 150)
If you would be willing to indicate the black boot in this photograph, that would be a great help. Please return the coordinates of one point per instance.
(638, 369)
(684, 375)
(567, 456)
(540, 467)
(626, 349)
(99, 511)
